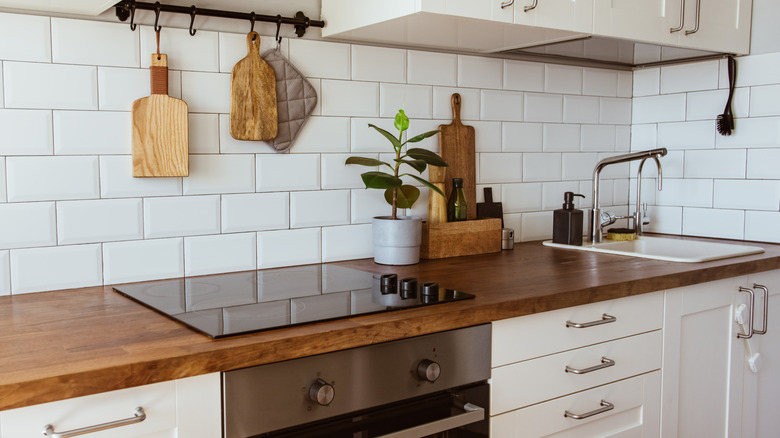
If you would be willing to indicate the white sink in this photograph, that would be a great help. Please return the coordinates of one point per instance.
(660, 248)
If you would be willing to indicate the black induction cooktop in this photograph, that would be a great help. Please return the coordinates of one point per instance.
(246, 302)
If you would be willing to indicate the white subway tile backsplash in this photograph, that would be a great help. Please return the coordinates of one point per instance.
(647, 82)
(320, 59)
(521, 137)
(760, 132)
(543, 107)
(620, 191)
(214, 174)
(337, 175)
(694, 76)
(206, 92)
(536, 226)
(65, 267)
(366, 139)
(685, 192)
(615, 111)
(346, 242)
(415, 100)
(580, 109)
(205, 255)
(94, 221)
(516, 198)
(233, 48)
(644, 136)
(432, 68)
(763, 163)
(562, 79)
(762, 226)
(753, 70)
(181, 216)
(25, 37)
(27, 225)
(2, 99)
(323, 135)
(345, 98)
(552, 194)
(523, 76)
(288, 247)
(379, 64)
(600, 82)
(654, 109)
(487, 136)
(94, 43)
(255, 212)
(578, 166)
(469, 103)
(5, 273)
(501, 105)
(288, 172)
(52, 178)
(50, 86)
(764, 101)
(541, 167)
(726, 163)
(141, 260)
(116, 180)
(199, 52)
(687, 135)
(747, 194)
(500, 168)
(229, 145)
(479, 72)
(625, 84)
(26, 132)
(319, 208)
(667, 220)
(707, 105)
(203, 133)
(561, 137)
(366, 204)
(601, 138)
(711, 222)
(102, 138)
(118, 88)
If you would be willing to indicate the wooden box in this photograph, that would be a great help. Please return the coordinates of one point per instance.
(452, 239)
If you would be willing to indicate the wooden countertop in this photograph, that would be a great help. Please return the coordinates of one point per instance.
(69, 343)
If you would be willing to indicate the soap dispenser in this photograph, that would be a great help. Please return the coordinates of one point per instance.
(567, 222)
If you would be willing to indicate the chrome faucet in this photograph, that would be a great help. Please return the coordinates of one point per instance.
(640, 215)
(598, 218)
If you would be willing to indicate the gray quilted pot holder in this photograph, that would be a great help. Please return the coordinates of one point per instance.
(295, 99)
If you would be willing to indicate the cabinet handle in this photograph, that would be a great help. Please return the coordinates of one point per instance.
(605, 319)
(533, 6)
(507, 4)
(606, 406)
(605, 363)
(696, 21)
(682, 18)
(766, 307)
(138, 416)
(751, 306)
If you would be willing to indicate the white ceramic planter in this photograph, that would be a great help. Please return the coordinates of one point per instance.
(396, 242)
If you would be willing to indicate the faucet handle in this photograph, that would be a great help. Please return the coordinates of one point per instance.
(607, 218)
(645, 217)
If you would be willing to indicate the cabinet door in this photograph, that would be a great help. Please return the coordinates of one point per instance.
(723, 25)
(646, 21)
(703, 361)
(573, 15)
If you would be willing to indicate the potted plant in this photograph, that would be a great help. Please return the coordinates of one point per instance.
(397, 239)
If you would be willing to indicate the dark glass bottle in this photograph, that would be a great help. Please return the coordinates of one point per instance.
(567, 222)
(456, 206)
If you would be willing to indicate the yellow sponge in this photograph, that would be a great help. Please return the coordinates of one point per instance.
(621, 234)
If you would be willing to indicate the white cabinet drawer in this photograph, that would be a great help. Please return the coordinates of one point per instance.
(525, 383)
(158, 401)
(636, 411)
(540, 334)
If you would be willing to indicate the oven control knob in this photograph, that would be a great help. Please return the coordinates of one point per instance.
(428, 370)
(321, 392)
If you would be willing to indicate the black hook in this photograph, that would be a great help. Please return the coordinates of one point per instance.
(157, 16)
(193, 13)
(300, 29)
(252, 20)
(278, 26)
(132, 15)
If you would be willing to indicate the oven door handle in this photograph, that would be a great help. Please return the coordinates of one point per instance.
(471, 413)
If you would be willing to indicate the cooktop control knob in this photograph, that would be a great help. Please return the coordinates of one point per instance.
(321, 392)
(428, 370)
(409, 288)
(388, 284)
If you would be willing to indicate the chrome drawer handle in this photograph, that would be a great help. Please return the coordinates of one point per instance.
(138, 416)
(533, 6)
(606, 406)
(752, 307)
(605, 319)
(605, 363)
(766, 307)
(507, 4)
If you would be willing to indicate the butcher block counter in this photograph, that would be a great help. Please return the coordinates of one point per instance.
(68, 343)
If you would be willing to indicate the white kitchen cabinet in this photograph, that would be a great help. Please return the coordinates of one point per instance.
(573, 15)
(189, 407)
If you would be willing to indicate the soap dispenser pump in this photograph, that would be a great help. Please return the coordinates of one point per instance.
(567, 222)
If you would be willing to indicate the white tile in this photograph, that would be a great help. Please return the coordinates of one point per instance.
(709, 222)
(237, 252)
(552, 194)
(647, 82)
(108, 133)
(320, 59)
(345, 98)
(599, 138)
(317, 85)
(379, 64)
(415, 100)
(687, 135)
(181, 216)
(625, 84)
(764, 101)
(233, 48)
(622, 170)
(95, 221)
(45, 86)
(623, 138)
(323, 134)
(707, 105)
(747, 195)
(541, 167)
(543, 108)
(432, 68)
(694, 76)
(667, 220)
(347, 243)
(762, 226)
(30, 35)
(3, 179)
(366, 139)
(419, 126)
(500, 168)
(578, 166)
(26, 132)
(535, 226)
(116, 180)
(685, 192)
(118, 88)
(143, 260)
(27, 225)
(255, 212)
(762, 163)
(319, 208)
(644, 136)
(214, 174)
(206, 92)
(288, 248)
(52, 178)
(562, 79)
(523, 76)
(516, 198)
(620, 189)
(728, 163)
(337, 175)
(653, 109)
(203, 133)
(94, 43)
(674, 164)
(760, 132)
(600, 82)
(5, 273)
(561, 137)
(580, 109)
(63, 267)
(229, 145)
(2, 99)
(615, 111)
(487, 136)
(287, 172)
(501, 105)
(754, 70)
(366, 204)
(521, 137)
(479, 72)
(185, 52)
(469, 103)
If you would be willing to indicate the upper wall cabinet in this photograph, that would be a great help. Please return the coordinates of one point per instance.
(573, 15)
(80, 7)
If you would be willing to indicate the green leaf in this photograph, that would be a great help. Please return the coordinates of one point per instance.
(389, 136)
(407, 195)
(423, 136)
(418, 165)
(429, 185)
(380, 180)
(427, 156)
(363, 161)
(401, 121)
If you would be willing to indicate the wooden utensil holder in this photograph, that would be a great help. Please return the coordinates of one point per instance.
(452, 239)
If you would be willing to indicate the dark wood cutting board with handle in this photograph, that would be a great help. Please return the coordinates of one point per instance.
(253, 113)
(456, 147)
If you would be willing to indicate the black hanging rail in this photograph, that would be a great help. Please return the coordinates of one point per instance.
(126, 9)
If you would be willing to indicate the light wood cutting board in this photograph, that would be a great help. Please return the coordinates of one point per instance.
(253, 96)
(457, 148)
(160, 128)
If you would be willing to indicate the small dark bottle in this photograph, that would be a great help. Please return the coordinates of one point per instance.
(567, 222)
(456, 206)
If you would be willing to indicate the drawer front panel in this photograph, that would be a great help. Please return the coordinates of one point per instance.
(540, 334)
(525, 383)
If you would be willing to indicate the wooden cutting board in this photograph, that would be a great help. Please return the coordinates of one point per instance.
(456, 147)
(160, 128)
(253, 96)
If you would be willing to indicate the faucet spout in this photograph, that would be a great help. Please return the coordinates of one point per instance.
(640, 215)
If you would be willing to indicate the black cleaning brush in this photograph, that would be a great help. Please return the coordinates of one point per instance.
(725, 121)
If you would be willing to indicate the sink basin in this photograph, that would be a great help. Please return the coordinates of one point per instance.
(660, 248)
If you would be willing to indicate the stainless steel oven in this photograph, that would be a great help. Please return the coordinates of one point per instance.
(428, 386)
